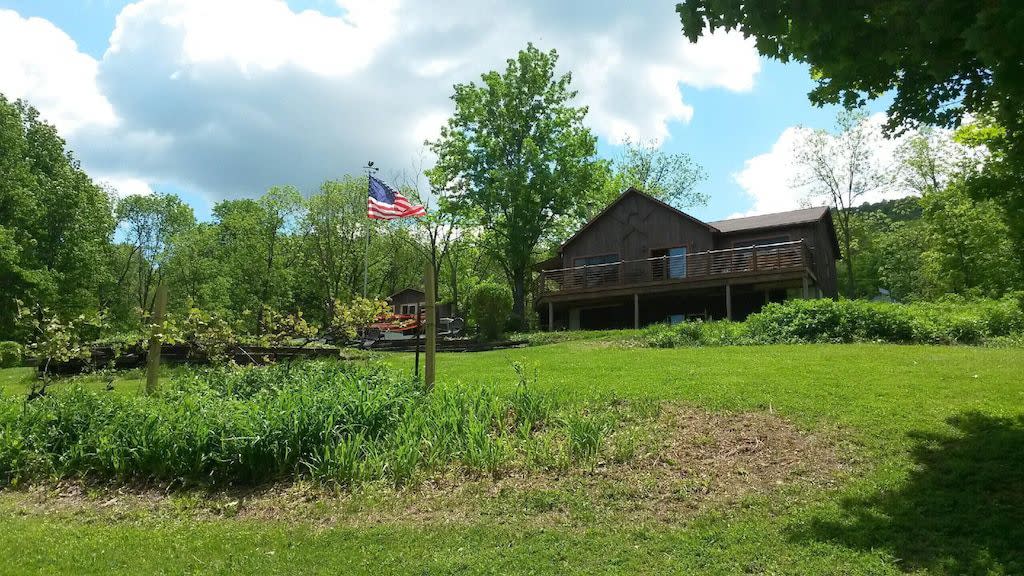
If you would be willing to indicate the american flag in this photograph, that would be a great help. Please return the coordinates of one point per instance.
(385, 203)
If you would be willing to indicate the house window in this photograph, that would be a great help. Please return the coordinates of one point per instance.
(602, 272)
(672, 263)
(409, 309)
(597, 260)
(760, 242)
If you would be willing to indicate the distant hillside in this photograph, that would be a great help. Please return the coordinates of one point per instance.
(900, 210)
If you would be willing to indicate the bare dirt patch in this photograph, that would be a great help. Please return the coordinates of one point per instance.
(683, 461)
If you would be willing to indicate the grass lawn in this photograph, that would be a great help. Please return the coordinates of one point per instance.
(933, 438)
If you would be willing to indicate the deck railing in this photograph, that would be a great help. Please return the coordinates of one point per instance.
(776, 257)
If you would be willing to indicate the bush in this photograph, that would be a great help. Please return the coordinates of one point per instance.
(490, 305)
(11, 354)
(945, 322)
(719, 333)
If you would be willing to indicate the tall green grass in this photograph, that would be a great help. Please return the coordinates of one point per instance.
(332, 422)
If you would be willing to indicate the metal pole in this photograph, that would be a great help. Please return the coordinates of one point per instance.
(370, 169)
(366, 259)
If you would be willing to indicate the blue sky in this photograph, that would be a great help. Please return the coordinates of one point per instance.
(222, 99)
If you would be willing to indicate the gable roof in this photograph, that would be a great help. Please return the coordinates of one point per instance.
(781, 219)
(788, 218)
(760, 222)
(628, 192)
(404, 290)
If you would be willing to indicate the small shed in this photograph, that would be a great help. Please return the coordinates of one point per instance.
(411, 300)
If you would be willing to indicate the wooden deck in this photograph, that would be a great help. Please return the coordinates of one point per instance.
(754, 263)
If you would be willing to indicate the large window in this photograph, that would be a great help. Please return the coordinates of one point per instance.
(602, 271)
(595, 260)
(672, 263)
(760, 242)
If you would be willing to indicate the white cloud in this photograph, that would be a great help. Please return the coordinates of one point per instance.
(773, 180)
(125, 185)
(42, 64)
(768, 178)
(229, 97)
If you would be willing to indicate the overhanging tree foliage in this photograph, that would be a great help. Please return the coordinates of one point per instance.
(516, 158)
(942, 59)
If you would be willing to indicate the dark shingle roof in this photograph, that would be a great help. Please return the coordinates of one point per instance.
(789, 218)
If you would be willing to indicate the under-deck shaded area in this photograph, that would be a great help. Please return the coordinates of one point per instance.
(643, 309)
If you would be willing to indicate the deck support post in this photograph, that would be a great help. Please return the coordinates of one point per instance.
(807, 291)
(636, 311)
(551, 317)
(728, 301)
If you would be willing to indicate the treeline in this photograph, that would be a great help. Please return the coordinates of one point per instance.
(503, 193)
(952, 235)
(922, 248)
(70, 247)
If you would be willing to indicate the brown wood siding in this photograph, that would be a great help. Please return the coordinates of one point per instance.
(408, 297)
(825, 260)
(633, 228)
(815, 234)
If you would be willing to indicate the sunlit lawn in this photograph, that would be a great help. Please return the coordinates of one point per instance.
(935, 433)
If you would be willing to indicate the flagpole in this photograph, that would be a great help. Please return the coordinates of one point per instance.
(370, 169)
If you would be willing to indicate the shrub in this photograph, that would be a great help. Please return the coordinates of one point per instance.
(945, 322)
(490, 305)
(11, 354)
(719, 333)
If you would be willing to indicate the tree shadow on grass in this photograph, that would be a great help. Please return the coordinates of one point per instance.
(961, 510)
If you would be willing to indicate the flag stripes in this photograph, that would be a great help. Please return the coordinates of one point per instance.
(385, 203)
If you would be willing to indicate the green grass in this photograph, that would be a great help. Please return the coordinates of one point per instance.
(936, 435)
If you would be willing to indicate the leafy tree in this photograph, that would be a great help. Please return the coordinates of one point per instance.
(842, 169)
(55, 223)
(334, 241)
(669, 177)
(1000, 178)
(490, 305)
(930, 158)
(255, 244)
(968, 247)
(197, 270)
(516, 158)
(149, 223)
(901, 268)
(942, 58)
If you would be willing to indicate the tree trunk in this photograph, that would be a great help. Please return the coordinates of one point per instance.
(455, 286)
(519, 299)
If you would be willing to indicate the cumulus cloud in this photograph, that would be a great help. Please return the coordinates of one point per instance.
(233, 96)
(774, 182)
(123, 186)
(42, 64)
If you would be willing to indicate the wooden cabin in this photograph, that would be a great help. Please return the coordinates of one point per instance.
(641, 261)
